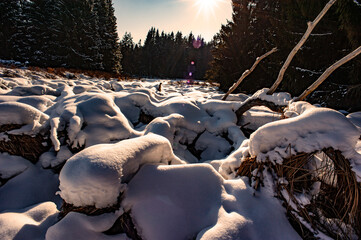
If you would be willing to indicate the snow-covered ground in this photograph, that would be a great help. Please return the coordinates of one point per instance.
(167, 158)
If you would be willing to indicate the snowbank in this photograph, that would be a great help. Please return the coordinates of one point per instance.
(82, 227)
(130, 140)
(22, 114)
(30, 223)
(88, 119)
(199, 204)
(309, 129)
(96, 176)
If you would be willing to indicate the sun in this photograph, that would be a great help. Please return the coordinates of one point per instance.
(206, 7)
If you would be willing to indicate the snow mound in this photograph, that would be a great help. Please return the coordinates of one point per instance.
(22, 114)
(355, 118)
(42, 103)
(88, 119)
(28, 224)
(310, 129)
(11, 166)
(199, 204)
(82, 227)
(96, 176)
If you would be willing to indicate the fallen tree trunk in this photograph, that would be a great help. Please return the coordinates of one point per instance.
(311, 26)
(253, 102)
(248, 72)
(328, 72)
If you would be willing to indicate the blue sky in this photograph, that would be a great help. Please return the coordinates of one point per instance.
(202, 17)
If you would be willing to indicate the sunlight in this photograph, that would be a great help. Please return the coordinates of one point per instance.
(206, 7)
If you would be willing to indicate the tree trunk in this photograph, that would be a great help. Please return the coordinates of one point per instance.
(252, 102)
(248, 72)
(327, 73)
(311, 26)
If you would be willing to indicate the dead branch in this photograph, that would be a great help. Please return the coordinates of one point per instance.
(311, 26)
(328, 72)
(248, 72)
(252, 102)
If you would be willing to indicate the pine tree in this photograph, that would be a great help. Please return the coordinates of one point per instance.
(127, 49)
(8, 17)
(258, 26)
(109, 42)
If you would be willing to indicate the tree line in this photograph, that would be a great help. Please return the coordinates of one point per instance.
(258, 26)
(166, 55)
(82, 34)
(60, 33)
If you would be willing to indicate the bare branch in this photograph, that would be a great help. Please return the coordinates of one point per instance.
(311, 26)
(248, 72)
(328, 72)
(252, 102)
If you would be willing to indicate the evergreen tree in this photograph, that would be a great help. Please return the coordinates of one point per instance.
(258, 26)
(9, 10)
(165, 55)
(127, 48)
(109, 42)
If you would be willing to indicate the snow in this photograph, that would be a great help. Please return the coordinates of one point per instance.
(311, 129)
(82, 227)
(11, 166)
(174, 173)
(33, 186)
(200, 204)
(28, 224)
(96, 175)
(22, 114)
(355, 118)
(281, 98)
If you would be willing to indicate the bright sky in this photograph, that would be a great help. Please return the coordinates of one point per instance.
(201, 17)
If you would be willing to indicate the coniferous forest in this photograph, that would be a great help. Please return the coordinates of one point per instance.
(82, 34)
(60, 33)
(258, 26)
(166, 55)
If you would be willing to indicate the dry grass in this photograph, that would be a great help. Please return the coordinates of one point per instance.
(29, 147)
(62, 72)
(334, 209)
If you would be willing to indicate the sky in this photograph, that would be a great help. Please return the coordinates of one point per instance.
(201, 17)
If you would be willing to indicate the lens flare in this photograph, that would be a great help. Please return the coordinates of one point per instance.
(207, 7)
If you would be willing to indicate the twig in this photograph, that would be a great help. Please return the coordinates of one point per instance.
(248, 72)
(327, 73)
(311, 26)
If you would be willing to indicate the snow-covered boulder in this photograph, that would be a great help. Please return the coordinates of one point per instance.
(96, 175)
